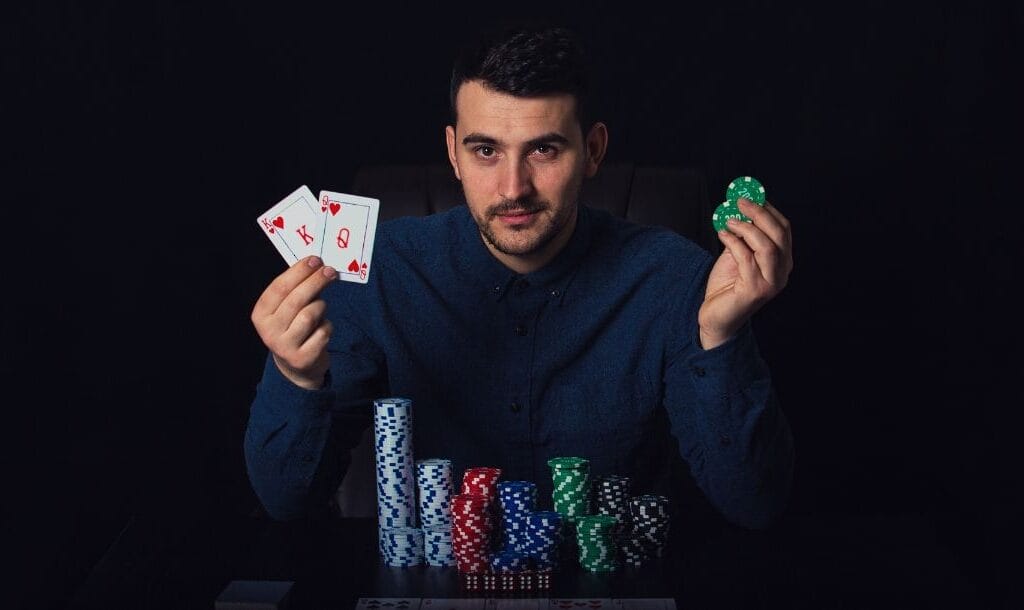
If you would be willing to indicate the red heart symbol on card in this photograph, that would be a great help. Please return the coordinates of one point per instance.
(278, 222)
(353, 266)
(334, 208)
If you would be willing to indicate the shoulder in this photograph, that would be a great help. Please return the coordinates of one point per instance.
(418, 233)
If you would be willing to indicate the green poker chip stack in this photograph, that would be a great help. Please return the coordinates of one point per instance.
(571, 481)
(595, 535)
(746, 187)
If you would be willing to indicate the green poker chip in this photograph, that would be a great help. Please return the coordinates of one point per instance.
(746, 187)
(724, 212)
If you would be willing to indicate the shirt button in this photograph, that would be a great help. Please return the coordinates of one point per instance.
(307, 458)
(497, 289)
(725, 440)
(555, 293)
(520, 330)
(698, 371)
(515, 407)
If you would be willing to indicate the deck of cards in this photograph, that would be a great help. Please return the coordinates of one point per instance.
(337, 227)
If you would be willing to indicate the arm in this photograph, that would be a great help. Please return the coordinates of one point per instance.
(719, 392)
(724, 413)
(312, 402)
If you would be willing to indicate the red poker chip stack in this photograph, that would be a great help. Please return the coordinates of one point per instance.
(482, 480)
(473, 519)
(471, 532)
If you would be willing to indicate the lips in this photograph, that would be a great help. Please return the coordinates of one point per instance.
(519, 218)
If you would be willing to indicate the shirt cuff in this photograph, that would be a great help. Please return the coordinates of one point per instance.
(281, 393)
(729, 368)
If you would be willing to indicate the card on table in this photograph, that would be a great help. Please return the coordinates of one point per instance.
(347, 232)
(649, 603)
(291, 224)
(512, 603)
(388, 603)
(581, 603)
(454, 603)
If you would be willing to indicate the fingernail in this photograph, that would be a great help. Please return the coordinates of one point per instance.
(329, 272)
(314, 262)
(732, 222)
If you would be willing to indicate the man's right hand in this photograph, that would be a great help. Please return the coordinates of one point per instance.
(289, 317)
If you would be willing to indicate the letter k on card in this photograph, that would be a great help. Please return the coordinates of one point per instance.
(292, 225)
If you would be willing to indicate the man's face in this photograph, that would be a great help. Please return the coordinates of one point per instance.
(521, 162)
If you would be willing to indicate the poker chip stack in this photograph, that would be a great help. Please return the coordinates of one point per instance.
(647, 537)
(483, 481)
(611, 497)
(396, 483)
(403, 546)
(595, 535)
(570, 481)
(434, 485)
(471, 532)
(543, 537)
(518, 499)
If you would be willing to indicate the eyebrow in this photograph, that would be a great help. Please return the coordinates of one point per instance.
(552, 137)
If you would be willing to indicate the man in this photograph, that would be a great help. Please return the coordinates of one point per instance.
(525, 325)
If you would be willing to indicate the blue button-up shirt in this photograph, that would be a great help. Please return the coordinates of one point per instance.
(595, 355)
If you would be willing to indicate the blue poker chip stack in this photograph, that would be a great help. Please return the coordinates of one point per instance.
(509, 560)
(396, 483)
(543, 537)
(518, 499)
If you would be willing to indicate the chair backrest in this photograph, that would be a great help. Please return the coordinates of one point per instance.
(671, 197)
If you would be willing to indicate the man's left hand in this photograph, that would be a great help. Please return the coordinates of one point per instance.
(753, 268)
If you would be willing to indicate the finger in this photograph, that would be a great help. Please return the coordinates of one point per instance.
(302, 325)
(283, 285)
(317, 341)
(765, 251)
(743, 255)
(765, 220)
(304, 294)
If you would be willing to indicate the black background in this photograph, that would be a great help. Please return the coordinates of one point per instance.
(142, 139)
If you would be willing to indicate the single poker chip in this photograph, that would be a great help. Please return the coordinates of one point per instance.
(746, 187)
(724, 212)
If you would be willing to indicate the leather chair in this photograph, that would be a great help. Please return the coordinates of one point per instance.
(672, 197)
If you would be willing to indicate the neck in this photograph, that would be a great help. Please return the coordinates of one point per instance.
(528, 263)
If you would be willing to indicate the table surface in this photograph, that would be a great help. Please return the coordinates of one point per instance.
(838, 562)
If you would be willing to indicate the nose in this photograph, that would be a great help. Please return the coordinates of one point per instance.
(516, 181)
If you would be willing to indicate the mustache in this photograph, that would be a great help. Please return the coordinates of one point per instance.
(507, 206)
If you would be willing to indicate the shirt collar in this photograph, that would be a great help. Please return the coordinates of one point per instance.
(553, 277)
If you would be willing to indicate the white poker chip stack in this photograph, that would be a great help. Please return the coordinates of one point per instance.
(435, 490)
(401, 544)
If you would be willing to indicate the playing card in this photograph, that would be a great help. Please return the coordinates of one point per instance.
(388, 603)
(512, 603)
(582, 603)
(291, 225)
(648, 603)
(347, 232)
(456, 603)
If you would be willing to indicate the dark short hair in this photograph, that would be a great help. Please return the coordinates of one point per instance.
(526, 61)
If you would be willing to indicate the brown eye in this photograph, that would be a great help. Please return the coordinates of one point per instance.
(485, 151)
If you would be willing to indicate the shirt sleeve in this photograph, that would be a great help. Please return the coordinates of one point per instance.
(298, 442)
(725, 415)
